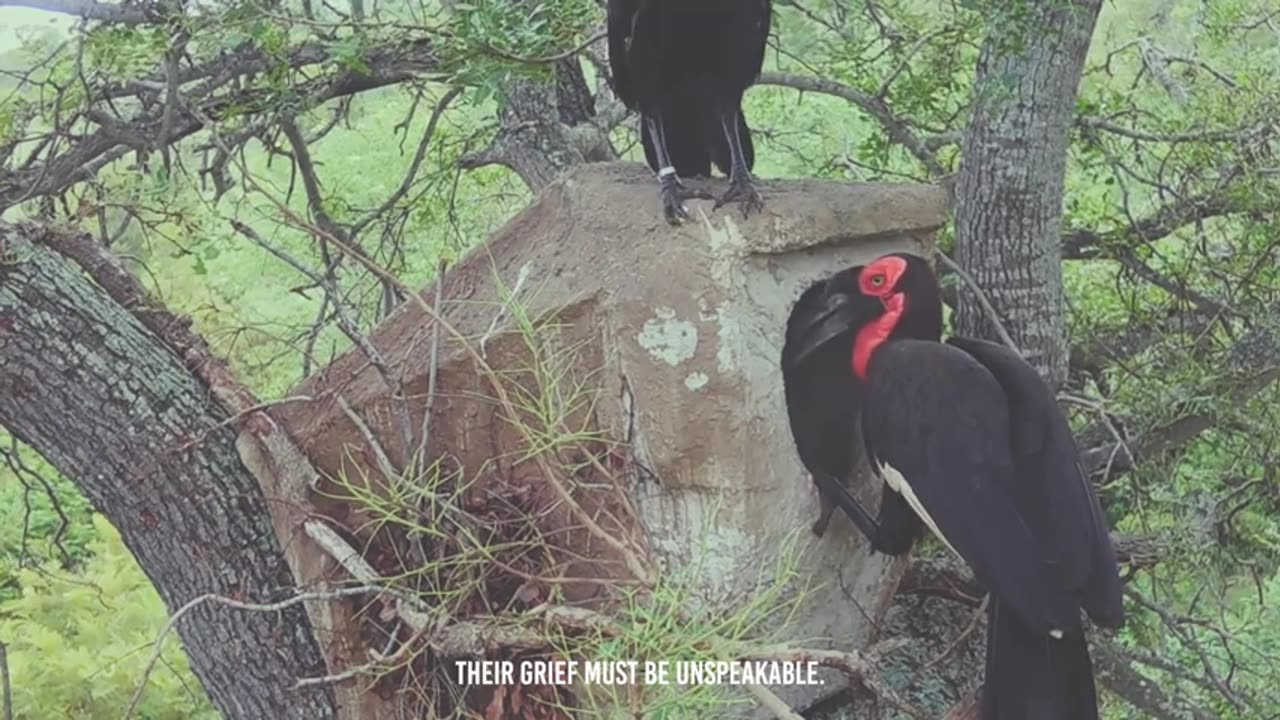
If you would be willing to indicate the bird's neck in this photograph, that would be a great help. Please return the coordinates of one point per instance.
(876, 333)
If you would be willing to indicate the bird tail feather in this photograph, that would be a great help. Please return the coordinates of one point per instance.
(1031, 676)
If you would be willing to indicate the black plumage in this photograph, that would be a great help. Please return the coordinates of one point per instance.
(684, 66)
(973, 439)
(823, 402)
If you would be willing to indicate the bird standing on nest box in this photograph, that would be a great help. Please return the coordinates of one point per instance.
(969, 436)
(684, 65)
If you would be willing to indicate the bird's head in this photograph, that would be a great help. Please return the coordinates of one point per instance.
(826, 317)
(859, 308)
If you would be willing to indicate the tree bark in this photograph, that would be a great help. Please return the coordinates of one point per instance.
(548, 128)
(1009, 192)
(104, 400)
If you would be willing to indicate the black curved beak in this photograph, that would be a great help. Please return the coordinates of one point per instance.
(839, 317)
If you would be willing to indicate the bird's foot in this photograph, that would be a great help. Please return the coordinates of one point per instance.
(674, 193)
(744, 191)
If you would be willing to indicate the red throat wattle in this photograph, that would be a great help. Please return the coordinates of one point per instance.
(875, 333)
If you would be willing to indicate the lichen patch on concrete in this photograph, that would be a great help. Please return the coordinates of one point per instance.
(668, 338)
(729, 335)
(696, 381)
(684, 533)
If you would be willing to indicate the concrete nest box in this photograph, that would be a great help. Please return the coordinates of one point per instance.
(677, 333)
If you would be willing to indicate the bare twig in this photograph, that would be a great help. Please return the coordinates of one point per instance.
(1105, 418)
(1097, 123)
(415, 165)
(772, 703)
(501, 315)
(875, 106)
(158, 647)
(987, 307)
(348, 326)
(1188, 642)
(434, 362)
(412, 612)
(366, 433)
(380, 662)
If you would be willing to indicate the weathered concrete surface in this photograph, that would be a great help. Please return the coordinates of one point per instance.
(684, 329)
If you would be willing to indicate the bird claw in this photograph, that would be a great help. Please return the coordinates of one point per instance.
(673, 196)
(744, 191)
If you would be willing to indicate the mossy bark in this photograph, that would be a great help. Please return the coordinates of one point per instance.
(105, 401)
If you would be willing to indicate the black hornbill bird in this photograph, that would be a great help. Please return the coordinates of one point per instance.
(823, 402)
(972, 439)
(684, 65)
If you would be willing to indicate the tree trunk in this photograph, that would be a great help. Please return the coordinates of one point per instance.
(548, 128)
(104, 400)
(1009, 193)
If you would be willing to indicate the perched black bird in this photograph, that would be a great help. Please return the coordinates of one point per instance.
(684, 65)
(823, 402)
(971, 437)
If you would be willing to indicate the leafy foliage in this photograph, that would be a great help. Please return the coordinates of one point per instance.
(78, 643)
(1172, 212)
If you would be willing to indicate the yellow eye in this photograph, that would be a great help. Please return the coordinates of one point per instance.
(877, 280)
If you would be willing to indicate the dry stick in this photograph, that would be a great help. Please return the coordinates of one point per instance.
(384, 462)
(433, 370)
(982, 300)
(773, 703)
(346, 323)
(350, 559)
(1097, 407)
(512, 296)
(237, 604)
(337, 548)
(434, 364)
(265, 405)
(380, 662)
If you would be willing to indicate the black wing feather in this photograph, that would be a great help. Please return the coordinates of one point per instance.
(684, 62)
(940, 419)
(620, 22)
(1055, 494)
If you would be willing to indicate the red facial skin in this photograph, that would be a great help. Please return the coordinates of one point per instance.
(878, 280)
